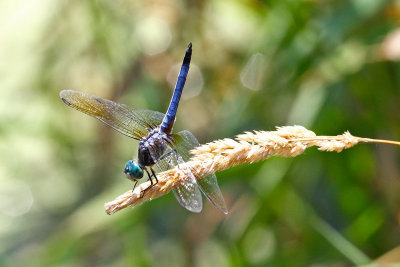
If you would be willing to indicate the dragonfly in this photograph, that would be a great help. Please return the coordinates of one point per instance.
(159, 149)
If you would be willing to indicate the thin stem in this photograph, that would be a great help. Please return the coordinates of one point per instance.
(338, 138)
(388, 142)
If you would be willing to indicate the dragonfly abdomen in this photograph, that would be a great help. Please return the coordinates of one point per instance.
(169, 118)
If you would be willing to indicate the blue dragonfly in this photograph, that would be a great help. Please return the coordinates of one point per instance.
(158, 147)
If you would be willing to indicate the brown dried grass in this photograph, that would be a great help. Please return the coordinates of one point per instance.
(288, 141)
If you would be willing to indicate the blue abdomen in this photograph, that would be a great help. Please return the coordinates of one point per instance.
(169, 118)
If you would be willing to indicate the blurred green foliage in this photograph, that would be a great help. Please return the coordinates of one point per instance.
(330, 66)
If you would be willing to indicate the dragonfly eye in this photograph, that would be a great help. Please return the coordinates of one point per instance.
(133, 171)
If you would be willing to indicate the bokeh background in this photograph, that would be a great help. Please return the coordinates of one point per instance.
(330, 66)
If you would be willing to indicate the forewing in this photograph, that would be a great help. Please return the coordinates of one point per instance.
(188, 195)
(185, 141)
(129, 121)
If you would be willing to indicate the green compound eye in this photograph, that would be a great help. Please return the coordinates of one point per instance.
(133, 171)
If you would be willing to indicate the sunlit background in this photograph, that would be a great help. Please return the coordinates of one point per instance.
(330, 66)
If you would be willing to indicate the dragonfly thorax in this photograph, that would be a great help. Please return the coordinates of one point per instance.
(152, 147)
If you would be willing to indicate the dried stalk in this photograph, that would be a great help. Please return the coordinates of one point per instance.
(288, 141)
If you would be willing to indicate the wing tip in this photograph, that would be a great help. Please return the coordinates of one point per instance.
(222, 207)
(65, 91)
(194, 210)
(64, 95)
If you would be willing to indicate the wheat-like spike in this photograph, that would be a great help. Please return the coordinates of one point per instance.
(287, 141)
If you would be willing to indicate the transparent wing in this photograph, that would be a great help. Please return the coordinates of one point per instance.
(184, 142)
(188, 195)
(129, 121)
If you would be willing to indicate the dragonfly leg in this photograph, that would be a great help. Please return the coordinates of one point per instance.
(134, 185)
(154, 175)
(150, 186)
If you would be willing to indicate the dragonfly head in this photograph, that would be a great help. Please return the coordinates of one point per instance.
(133, 171)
